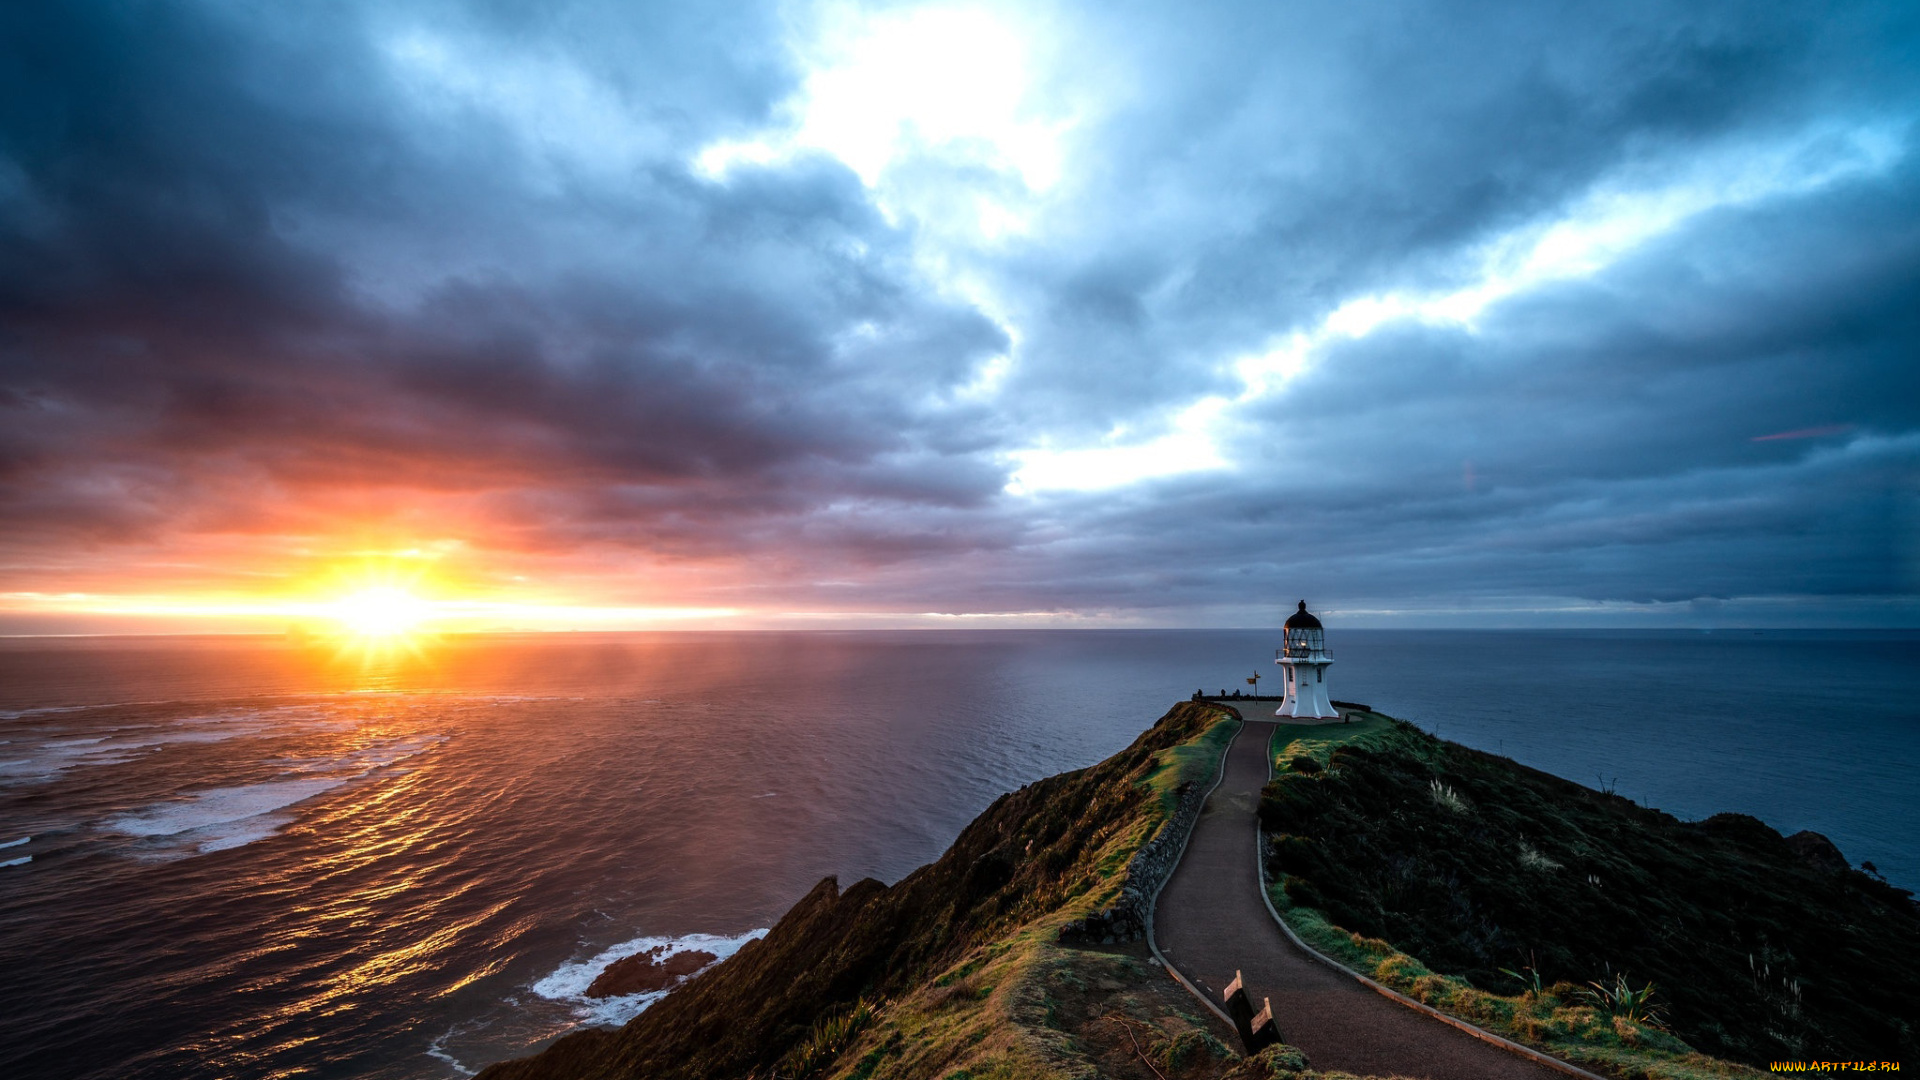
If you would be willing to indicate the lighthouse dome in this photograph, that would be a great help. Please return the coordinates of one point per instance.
(1302, 619)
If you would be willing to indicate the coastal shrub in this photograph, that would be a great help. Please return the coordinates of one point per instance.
(1535, 1016)
(1350, 755)
(1294, 854)
(1190, 1048)
(1430, 989)
(1302, 893)
(1400, 971)
(1446, 797)
(830, 1038)
(1623, 1001)
(1291, 797)
(1575, 886)
(1301, 763)
(1528, 978)
(1371, 946)
(1532, 859)
(1277, 1062)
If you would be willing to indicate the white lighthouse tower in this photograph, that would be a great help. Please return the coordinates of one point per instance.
(1304, 661)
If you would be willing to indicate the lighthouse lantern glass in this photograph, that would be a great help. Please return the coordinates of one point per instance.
(1303, 641)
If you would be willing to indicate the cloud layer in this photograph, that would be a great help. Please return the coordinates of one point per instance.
(1097, 313)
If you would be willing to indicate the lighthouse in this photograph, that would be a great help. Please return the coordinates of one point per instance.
(1304, 660)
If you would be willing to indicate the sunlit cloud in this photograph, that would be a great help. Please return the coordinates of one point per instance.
(1611, 222)
(959, 83)
(1188, 447)
(1627, 212)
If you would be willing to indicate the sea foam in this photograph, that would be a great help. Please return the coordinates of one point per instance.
(221, 818)
(216, 819)
(569, 982)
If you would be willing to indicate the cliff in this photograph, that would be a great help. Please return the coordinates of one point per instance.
(1018, 952)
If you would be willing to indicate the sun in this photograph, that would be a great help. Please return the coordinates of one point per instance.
(381, 611)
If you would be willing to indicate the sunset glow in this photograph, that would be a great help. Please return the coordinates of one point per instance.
(382, 611)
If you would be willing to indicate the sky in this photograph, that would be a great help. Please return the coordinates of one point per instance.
(605, 315)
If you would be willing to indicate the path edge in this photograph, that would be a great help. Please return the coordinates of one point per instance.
(1382, 989)
(1153, 902)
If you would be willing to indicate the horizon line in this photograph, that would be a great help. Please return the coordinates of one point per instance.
(283, 635)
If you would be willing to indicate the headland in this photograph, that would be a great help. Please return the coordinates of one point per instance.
(1518, 902)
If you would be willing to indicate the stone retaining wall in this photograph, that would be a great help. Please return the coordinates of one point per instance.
(1149, 869)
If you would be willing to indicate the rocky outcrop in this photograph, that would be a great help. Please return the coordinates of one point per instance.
(1818, 852)
(648, 972)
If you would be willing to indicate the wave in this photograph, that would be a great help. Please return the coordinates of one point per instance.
(17, 843)
(55, 710)
(569, 982)
(128, 743)
(223, 818)
(51, 759)
(21, 861)
(437, 1051)
(216, 819)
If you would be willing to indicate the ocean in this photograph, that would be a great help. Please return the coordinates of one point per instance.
(247, 857)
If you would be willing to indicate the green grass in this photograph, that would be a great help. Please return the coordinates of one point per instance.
(1319, 741)
(1190, 763)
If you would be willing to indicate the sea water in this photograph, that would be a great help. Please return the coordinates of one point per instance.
(250, 857)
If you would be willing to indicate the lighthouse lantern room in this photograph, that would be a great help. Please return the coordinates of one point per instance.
(1303, 660)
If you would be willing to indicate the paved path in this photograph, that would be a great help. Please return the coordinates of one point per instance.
(1211, 920)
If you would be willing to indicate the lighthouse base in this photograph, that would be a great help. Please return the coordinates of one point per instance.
(1305, 684)
(1306, 721)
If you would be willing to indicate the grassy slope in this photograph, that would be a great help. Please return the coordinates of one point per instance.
(1402, 846)
(956, 971)
(995, 1012)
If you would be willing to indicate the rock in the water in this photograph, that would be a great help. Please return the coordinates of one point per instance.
(1818, 852)
(646, 972)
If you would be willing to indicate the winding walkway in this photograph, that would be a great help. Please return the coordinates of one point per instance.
(1211, 920)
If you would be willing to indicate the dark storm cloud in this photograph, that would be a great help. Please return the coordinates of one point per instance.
(163, 301)
(1598, 440)
(1302, 154)
(263, 270)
